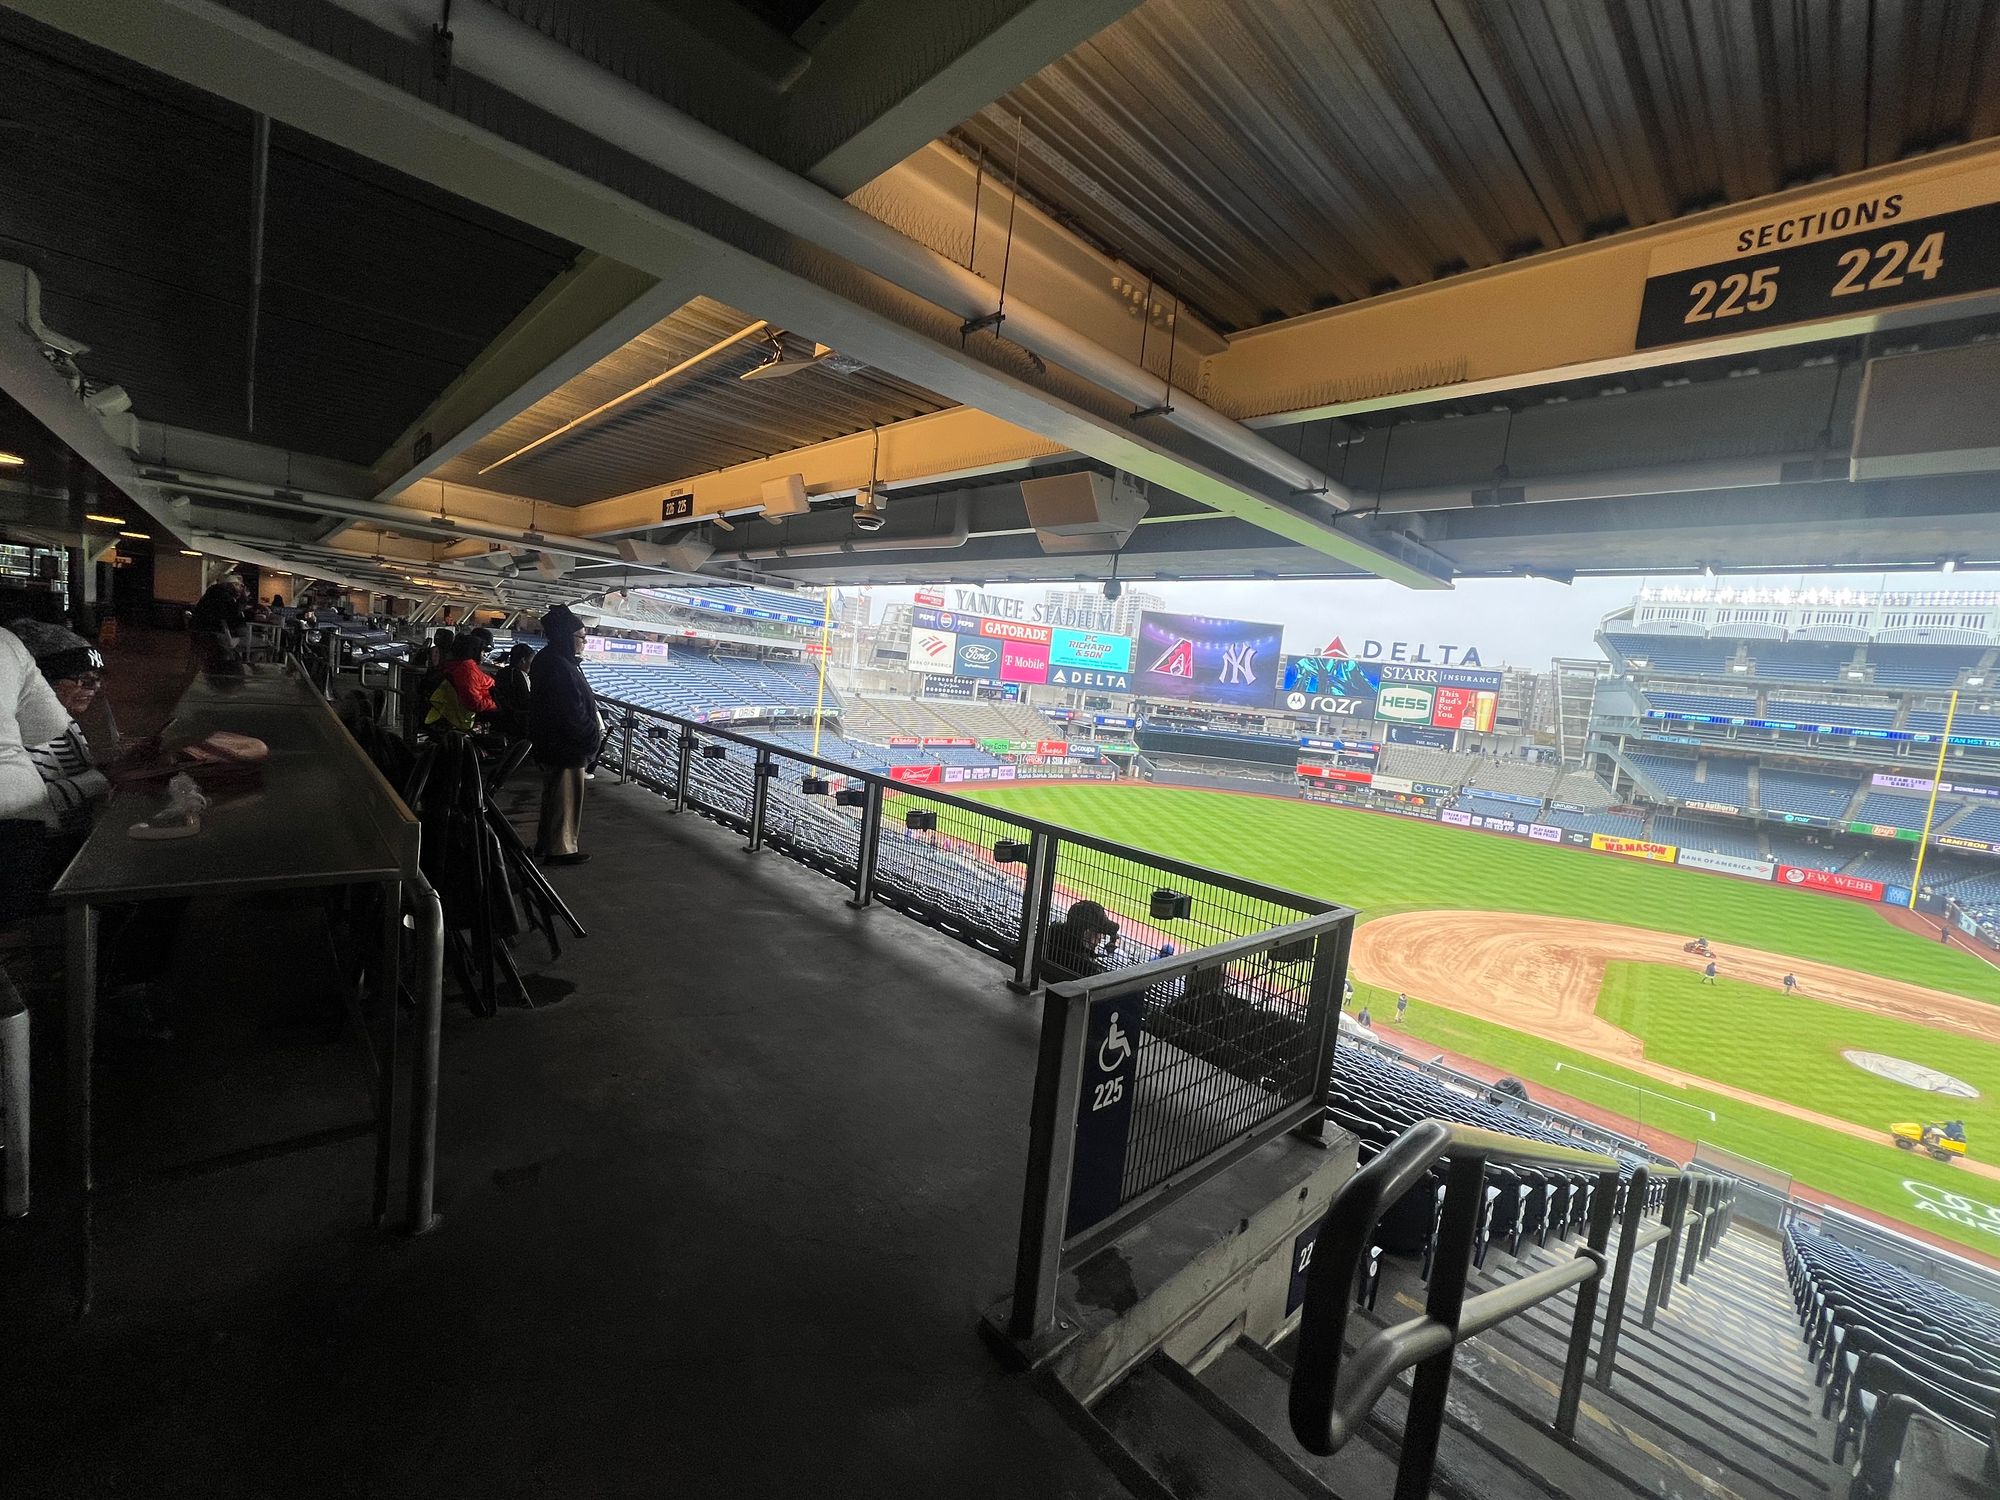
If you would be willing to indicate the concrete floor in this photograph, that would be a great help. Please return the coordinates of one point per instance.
(719, 1223)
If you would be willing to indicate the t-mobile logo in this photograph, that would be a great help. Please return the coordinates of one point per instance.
(1239, 662)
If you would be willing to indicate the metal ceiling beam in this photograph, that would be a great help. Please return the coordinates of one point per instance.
(212, 47)
(1568, 314)
(874, 93)
(961, 443)
(896, 74)
(591, 310)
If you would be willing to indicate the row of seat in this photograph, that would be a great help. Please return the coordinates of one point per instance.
(1875, 1330)
(1378, 1101)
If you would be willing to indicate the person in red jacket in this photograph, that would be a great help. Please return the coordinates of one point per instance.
(468, 683)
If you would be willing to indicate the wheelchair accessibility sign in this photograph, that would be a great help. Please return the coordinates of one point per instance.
(1103, 1113)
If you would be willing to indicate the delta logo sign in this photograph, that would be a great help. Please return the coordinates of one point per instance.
(1408, 653)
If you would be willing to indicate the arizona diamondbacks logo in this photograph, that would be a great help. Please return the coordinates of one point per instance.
(1177, 660)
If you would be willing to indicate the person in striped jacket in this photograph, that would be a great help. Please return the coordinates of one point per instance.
(71, 777)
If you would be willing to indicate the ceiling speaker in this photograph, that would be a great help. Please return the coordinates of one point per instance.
(1928, 413)
(1088, 512)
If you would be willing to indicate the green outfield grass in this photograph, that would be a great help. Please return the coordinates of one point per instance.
(1743, 1035)
(1855, 1170)
(1789, 1047)
(1383, 864)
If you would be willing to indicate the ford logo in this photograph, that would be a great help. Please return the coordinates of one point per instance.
(979, 656)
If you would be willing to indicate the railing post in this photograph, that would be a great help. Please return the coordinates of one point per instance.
(1036, 885)
(1051, 1148)
(1464, 1202)
(1603, 1206)
(625, 748)
(683, 767)
(869, 843)
(1659, 1289)
(1701, 1196)
(1329, 963)
(760, 793)
(1621, 1276)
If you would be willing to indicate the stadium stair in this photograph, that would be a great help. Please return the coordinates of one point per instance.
(1848, 813)
(1715, 1402)
(1755, 801)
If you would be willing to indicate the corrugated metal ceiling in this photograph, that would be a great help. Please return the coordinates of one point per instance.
(1267, 159)
(708, 418)
(128, 194)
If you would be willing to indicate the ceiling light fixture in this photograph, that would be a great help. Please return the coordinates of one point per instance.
(138, 536)
(11, 460)
(107, 520)
(638, 390)
(189, 552)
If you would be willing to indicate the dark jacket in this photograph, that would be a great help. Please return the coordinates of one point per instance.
(512, 693)
(218, 612)
(562, 710)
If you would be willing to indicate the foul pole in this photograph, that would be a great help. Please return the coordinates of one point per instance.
(1930, 812)
(825, 654)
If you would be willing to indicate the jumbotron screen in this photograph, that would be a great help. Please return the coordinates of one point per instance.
(1208, 660)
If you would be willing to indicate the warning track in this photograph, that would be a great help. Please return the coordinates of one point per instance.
(1542, 975)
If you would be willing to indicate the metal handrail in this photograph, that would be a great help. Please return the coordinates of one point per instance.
(1310, 905)
(1326, 1411)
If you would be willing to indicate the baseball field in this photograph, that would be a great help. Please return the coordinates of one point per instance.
(1565, 968)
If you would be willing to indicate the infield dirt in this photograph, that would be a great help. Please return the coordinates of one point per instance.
(1542, 976)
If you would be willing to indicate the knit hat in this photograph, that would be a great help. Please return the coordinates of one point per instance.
(561, 623)
(58, 652)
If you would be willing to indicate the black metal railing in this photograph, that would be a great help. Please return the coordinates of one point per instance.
(993, 879)
(1152, 1079)
(1333, 1390)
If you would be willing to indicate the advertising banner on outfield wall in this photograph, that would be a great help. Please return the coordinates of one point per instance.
(1728, 864)
(918, 775)
(1715, 807)
(1829, 880)
(1634, 848)
(1545, 833)
(1393, 784)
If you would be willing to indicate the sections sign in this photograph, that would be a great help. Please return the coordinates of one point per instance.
(1846, 253)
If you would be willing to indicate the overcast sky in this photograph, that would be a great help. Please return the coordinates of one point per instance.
(1522, 622)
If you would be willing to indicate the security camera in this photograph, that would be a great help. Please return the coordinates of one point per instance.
(1113, 588)
(869, 505)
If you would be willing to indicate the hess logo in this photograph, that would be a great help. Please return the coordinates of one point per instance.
(1402, 703)
(979, 656)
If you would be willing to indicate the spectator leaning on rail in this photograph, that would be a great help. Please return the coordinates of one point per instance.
(1078, 945)
(218, 625)
(564, 729)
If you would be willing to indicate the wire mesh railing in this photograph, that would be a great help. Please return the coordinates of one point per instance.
(1155, 1077)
